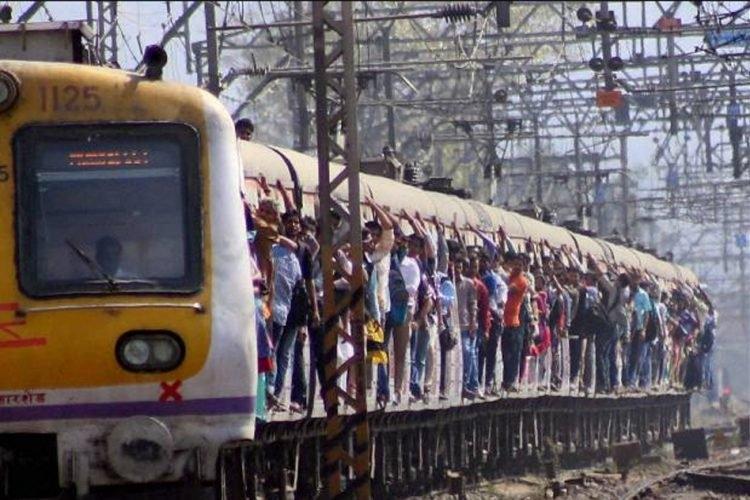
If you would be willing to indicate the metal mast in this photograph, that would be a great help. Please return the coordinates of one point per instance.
(211, 48)
(106, 28)
(347, 445)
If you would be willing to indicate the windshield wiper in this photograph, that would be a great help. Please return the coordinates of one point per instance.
(91, 264)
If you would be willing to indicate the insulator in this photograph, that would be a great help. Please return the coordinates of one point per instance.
(501, 96)
(256, 71)
(456, 12)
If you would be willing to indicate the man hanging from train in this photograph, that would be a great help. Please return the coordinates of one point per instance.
(513, 334)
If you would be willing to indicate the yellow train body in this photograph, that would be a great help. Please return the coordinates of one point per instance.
(68, 341)
(62, 348)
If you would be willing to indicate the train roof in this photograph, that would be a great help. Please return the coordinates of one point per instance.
(132, 85)
(274, 164)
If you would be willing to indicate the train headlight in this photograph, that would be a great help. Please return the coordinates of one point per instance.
(136, 352)
(140, 449)
(165, 350)
(150, 351)
(9, 86)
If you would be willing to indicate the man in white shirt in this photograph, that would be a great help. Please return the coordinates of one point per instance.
(381, 231)
(411, 273)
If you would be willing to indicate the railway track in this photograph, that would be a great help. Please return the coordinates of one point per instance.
(729, 477)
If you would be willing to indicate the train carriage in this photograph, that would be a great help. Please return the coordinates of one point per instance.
(299, 172)
(127, 334)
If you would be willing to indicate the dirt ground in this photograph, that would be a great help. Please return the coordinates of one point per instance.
(605, 482)
(598, 482)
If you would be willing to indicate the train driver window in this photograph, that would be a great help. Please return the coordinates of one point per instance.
(108, 209)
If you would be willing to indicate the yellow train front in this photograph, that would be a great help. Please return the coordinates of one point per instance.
(127, 340)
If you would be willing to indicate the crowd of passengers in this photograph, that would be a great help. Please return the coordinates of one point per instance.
(521, 314)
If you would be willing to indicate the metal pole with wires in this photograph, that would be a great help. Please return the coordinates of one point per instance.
(346, 468)
(212, 56)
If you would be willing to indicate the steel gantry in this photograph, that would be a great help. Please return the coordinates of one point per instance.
(425, 76)
(346, 469)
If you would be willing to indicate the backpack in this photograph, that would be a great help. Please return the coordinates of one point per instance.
(706, 340)
(527, 319)
(591, 318)
(693, 371)
(398, 294)
(299, 306)
(556, 315)
(598, 320)
(653, 327)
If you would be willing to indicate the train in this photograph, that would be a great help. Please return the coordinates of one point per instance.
(127, 324)
(127, 321)
(299, 173)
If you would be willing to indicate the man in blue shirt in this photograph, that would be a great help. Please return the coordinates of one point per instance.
(498, 294)
(287, 273)
(640, 349)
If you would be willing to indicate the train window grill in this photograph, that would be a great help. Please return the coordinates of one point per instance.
(108, 209)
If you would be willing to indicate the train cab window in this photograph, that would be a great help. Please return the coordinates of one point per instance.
(108, 209)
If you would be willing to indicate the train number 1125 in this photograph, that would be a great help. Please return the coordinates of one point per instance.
(70, 98)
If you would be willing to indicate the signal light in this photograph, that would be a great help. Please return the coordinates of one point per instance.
(615, 63)
(501, 96)
(605, 21)
(513, 125)
(596, 64)
(584, 14)
(155, 58)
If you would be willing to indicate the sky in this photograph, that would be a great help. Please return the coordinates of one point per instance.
(143, 23)
(150, 20)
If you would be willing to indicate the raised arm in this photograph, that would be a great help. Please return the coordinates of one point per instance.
(343, 264)
(605, 282)
(490, 246)
(384, 218)
(429, 243)
(531, 251)
(506, 245)
(442, 246)
(457, 233)
(573, 259)
(556, 284)
(419, 230)
(288, 202)
(263, 183)
(289, 243)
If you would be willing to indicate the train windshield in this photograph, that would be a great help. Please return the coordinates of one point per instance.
(108, 209)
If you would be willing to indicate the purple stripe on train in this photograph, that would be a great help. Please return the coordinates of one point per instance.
(208, 406)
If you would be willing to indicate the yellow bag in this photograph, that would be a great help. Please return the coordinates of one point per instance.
(375, 342)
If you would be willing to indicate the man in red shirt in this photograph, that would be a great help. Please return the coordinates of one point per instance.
(512, 343)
